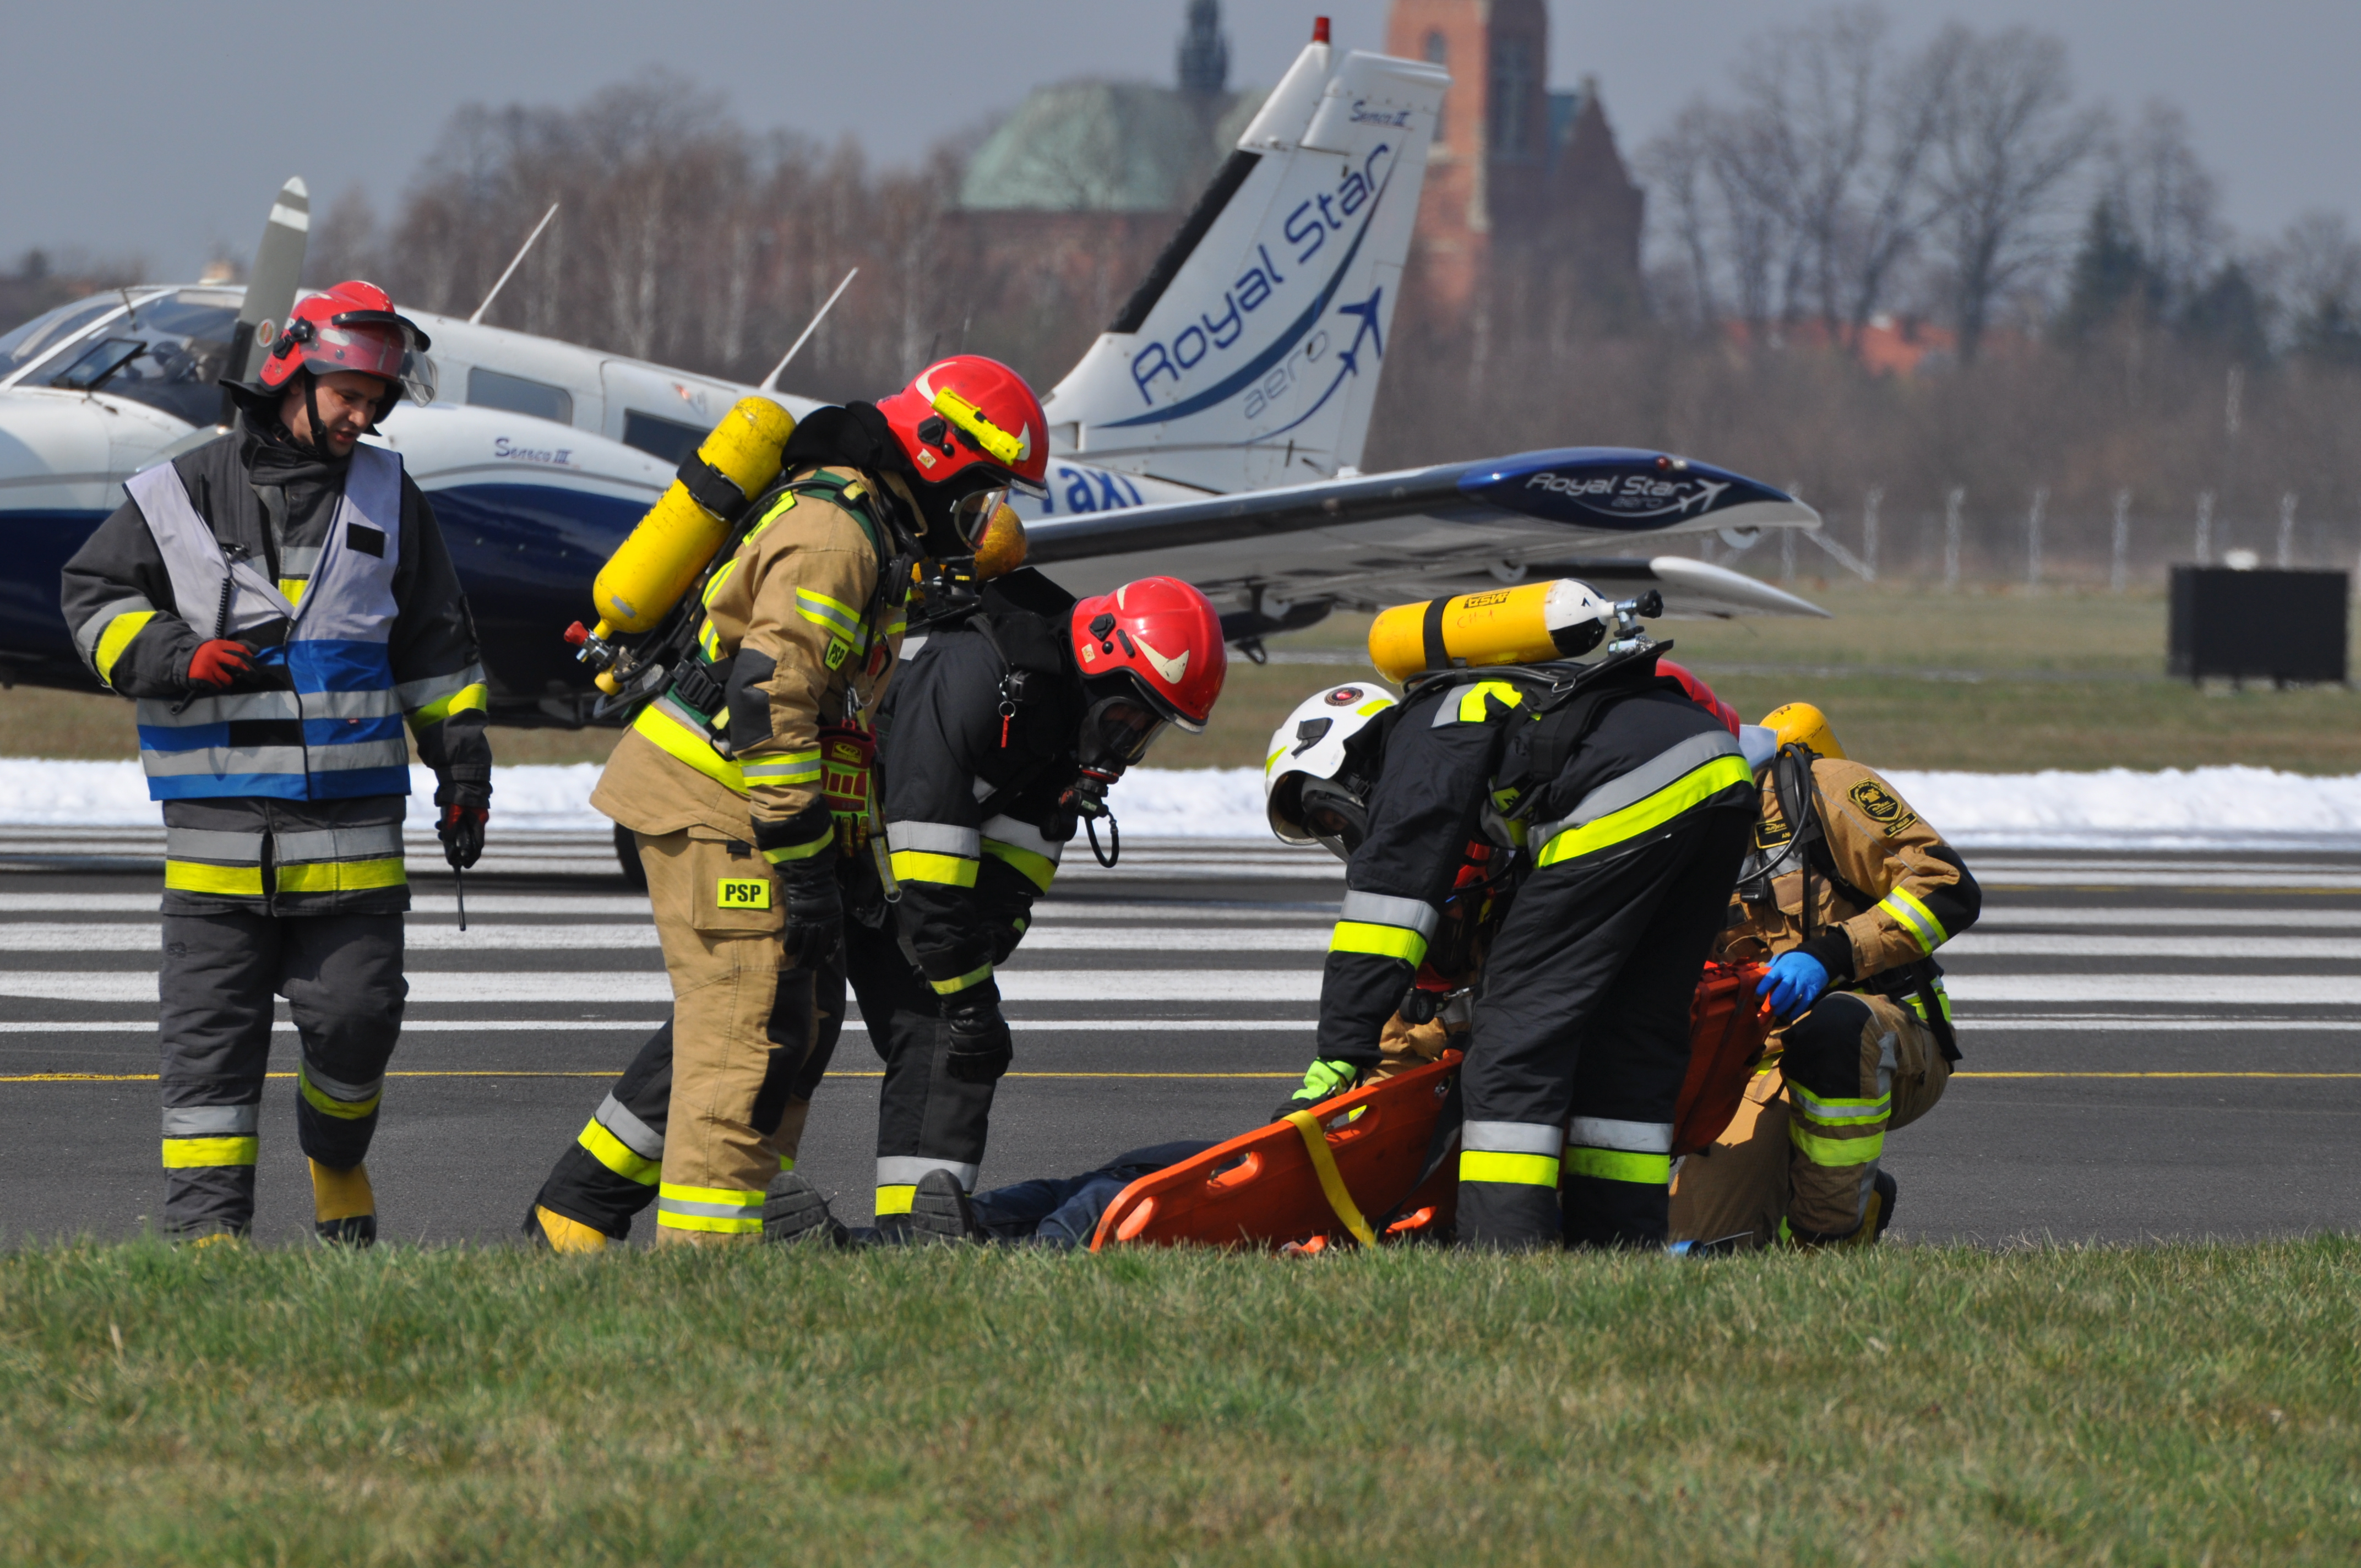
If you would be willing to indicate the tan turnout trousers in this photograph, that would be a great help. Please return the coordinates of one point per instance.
(734, 1123)
(1765, 1163)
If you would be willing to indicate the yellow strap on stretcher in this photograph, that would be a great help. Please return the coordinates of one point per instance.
(1332, 1180)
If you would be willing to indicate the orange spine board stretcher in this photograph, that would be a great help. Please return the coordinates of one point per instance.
(1272, 1186)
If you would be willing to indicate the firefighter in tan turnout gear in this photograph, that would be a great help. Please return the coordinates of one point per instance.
(1848, 893)
(720, 778)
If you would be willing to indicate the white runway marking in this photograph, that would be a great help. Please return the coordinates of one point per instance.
(2078, 945)
(2067, 919)
(633, 1025)
(546, 988)
(2186, 990)
(126, 937)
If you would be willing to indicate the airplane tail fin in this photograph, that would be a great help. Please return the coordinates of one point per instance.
(271, 282)
(1250, 356)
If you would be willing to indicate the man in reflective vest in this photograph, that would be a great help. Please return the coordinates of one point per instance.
(1847, 895)
(1631, 804)
(279, 602)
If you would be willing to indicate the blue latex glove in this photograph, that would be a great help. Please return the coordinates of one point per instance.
(1796, 981)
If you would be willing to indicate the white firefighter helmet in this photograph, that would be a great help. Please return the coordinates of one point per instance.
(1306, 795)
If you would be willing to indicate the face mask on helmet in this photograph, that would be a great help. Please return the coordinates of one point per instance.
(1119, 725)
(1333, 813)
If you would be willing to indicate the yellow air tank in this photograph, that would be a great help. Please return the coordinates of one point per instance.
(1523, 625)
(652, 568)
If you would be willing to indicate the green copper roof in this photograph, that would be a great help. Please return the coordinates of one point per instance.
(1105, 147)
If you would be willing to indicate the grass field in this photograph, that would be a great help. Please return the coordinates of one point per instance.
(2171, 1405)
(1987, 681)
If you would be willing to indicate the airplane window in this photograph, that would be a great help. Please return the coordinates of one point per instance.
(492, 389)
(182, 339)
(35, 337)
(98, 362)
(665, 438)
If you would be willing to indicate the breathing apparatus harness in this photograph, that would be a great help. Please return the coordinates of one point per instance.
(1798, 795)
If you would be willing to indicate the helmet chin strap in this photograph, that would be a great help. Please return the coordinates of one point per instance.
(319, 443)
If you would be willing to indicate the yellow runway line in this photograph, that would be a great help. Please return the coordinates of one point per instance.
(497, 1072)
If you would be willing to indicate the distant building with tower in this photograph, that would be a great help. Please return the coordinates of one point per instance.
(1067, 200)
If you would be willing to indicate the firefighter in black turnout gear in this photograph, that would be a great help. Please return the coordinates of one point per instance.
(1629, 806)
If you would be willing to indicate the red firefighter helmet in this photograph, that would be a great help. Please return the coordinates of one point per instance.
(352, 327)
(1151, 653)
(973, 422)
(1701, 694)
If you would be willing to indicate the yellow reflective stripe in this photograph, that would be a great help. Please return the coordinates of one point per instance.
(724, 1211)
(617, 1155)
(341, 876)
(1835, 1151)
(1621, 1165)
(922, 865)
(116, 637)
(1471, 701)
(1332, 1180)
(830, 615)
(466, 699)
(710, 640)
(1268, 762)
(1651, 811)
(1919, 1008)
(678, 742)
(895, 1200)
(1522, 1169)
(787, 767)
(1904, 908)
(800, 851)
(1385, 942)
(1038, 870)
(719, 577)
(292, 590)
(779, 509)
(1001, 447)
(973, 977)
(342, 1110)
(898, 627)
(721, 1224)
(232, 881)
(194, 1154)
(1836, 1113)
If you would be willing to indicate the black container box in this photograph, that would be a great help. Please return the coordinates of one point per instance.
(2280, 627)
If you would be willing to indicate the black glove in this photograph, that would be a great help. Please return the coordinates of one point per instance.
(981, 1049)
(461, 828)
(815, 908)
(1322, 1082)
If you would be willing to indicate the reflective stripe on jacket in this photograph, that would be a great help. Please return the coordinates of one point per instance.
(333, 731)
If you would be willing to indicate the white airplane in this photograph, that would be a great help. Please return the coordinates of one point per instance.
(1211, 433)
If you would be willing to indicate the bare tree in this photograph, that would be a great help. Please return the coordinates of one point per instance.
(2166, 199)
(1678, 166)
(2010, 140)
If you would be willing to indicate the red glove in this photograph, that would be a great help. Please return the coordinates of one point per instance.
(220, 663)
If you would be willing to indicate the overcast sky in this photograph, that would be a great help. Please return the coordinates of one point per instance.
(156, 130)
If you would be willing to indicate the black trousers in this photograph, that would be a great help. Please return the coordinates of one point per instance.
(341, 975)
(926, 1119)
(1581, 1039)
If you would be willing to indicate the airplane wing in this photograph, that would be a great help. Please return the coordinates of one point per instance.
(1290, 555)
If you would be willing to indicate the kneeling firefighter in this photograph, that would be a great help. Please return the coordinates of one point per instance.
(280, 601)
(720, 782)
(1629, 805)
(1848, 892)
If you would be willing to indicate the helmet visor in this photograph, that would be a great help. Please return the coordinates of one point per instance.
(972, 513)
(371, 350)
(1118, 729)
(1334, 815)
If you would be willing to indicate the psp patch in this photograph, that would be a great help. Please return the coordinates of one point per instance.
(1881, 805)
(743, 892)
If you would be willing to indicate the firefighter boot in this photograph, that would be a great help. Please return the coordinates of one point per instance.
(1881, 1211)
(343, 1205)
(794, 1211)
(939, 1210)
(548, 1228)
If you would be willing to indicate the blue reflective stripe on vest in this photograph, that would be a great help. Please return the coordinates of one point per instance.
(337, 734)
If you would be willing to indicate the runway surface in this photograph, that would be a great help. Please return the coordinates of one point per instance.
(2155, 1044)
